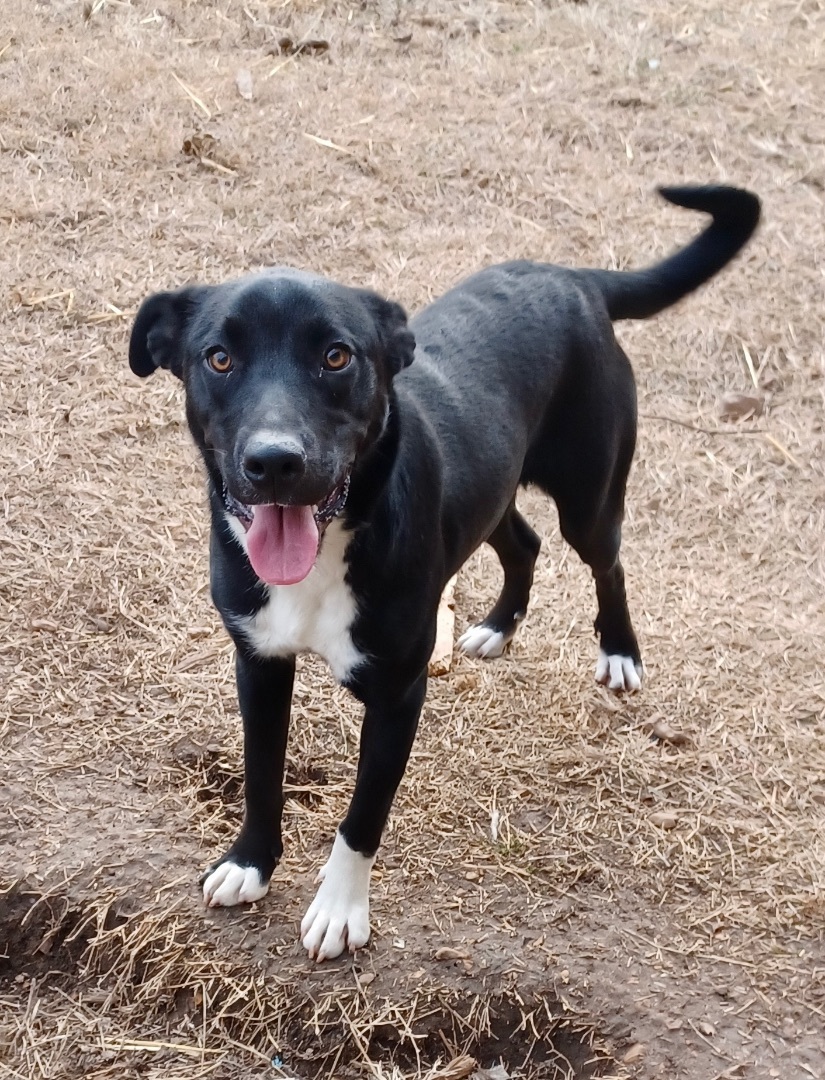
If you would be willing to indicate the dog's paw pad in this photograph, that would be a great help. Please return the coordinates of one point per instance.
(618, 672)
(229, 884)
(339, 916)
(482, 641)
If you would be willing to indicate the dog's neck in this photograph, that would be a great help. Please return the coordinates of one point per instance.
(373, 468)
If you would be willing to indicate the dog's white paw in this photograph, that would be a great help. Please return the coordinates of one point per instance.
(339, 916)
(230, 884)
(618, 672)
(482, 641)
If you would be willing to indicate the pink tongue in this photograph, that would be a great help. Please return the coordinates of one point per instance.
(282, 543)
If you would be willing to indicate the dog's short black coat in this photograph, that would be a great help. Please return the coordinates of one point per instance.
(302, 392)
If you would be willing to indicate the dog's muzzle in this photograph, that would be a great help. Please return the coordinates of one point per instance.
(323, 513)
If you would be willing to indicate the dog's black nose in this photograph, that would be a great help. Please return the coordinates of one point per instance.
(273, 464)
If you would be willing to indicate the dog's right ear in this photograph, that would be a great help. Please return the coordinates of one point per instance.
(158, 329)
(396, 339)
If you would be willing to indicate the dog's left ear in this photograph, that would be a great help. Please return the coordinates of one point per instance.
(397, 339)
(158, 329)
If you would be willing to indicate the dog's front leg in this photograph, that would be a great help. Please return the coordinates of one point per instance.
(265, 696)
(338, 917)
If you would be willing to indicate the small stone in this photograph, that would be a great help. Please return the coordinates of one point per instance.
(446, 953)
(635, 1053)
(735, 406)
(664, 732)
(243, 81)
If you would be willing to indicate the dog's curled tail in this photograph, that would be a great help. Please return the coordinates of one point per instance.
(638, 294)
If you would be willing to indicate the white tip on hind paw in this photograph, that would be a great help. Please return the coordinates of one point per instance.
(618, 672)
(482, 641)
(339, 916)
(230, 884)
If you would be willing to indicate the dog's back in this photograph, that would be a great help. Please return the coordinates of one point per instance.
(517, 364)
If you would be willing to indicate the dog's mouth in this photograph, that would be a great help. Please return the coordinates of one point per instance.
(282, 542)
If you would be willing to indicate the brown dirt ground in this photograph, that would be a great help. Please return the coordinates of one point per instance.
(584, 934)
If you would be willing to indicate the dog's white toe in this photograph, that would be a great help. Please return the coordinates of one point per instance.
(230, 884)
(618, 672)
(339, 916)
(482, 641)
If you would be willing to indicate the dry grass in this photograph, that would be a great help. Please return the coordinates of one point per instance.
(586, 874)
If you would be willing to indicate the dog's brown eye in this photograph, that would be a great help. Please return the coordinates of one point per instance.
(219, 361)
(337, 358)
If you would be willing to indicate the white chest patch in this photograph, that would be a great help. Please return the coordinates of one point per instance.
(313, 616)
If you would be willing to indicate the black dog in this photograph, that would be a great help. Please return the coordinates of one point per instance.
(346, 490)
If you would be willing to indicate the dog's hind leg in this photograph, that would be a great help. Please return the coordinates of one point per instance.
(619, 664)
(594, 531)
(581, 457)
(517, 547)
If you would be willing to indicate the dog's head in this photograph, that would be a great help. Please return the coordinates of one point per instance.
(287, 379)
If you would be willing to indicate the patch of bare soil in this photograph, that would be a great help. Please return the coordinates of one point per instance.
(571, 885)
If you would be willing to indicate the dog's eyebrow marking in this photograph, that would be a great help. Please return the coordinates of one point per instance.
(233, 333)
(339, 916)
